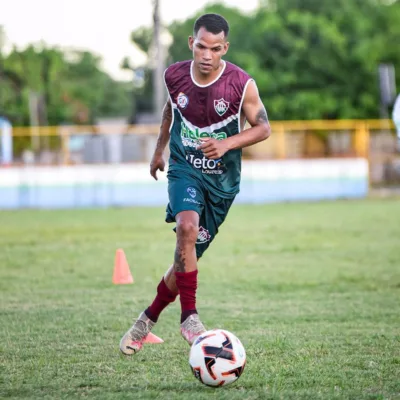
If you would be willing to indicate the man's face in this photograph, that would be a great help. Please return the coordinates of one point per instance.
(208, 49)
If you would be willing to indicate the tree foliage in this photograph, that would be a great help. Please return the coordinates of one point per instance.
(70, 87)
(311, 60)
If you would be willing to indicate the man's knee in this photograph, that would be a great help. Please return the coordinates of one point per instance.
(187, 228)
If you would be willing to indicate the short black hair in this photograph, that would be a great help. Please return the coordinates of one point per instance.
(213, 23)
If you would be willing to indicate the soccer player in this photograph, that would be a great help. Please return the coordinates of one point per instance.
(203, 120)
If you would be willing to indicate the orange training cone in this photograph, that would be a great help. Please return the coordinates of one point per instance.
(151, 338)
(122, 275)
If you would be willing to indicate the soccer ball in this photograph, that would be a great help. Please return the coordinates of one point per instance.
(217, 358)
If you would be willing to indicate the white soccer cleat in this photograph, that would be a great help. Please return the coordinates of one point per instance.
(133, 340)
(192, 328)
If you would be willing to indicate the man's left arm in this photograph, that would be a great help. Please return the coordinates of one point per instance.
(254, 112)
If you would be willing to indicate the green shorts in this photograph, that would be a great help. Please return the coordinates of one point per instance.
(187, 193)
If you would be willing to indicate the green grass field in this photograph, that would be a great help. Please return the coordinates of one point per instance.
(312, 290)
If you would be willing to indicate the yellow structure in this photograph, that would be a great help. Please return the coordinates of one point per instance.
(372, 139)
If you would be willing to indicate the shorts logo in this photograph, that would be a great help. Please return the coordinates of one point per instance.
(192, 192)
(182, 100)
(221, 106)
(203, 236)
(189, 200)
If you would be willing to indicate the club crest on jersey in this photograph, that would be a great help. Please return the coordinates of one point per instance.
(182, 100)
(221, 106)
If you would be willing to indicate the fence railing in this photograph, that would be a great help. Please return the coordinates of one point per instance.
(66, 145)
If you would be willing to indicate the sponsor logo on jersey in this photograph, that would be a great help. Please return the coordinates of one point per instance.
(203, 236)
(182, 100)
(192, 138)
(206, 165)
(221, 106)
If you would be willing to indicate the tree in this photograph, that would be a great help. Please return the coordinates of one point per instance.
(70, 86)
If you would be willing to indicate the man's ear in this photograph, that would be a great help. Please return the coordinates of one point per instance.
(226, 48)
(190, 42)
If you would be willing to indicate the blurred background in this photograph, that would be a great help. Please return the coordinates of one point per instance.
(81, 94)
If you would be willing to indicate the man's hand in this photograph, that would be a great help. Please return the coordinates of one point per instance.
(213, 148)
(157, 163)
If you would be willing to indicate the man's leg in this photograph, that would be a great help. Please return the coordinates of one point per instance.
(180, 189)
(194, 235)
(170, 279)
(168, 289)
(180, 277)
(185, 267)
(165, 296)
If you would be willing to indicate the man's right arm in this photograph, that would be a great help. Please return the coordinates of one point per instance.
(163, 136)
(157, 162)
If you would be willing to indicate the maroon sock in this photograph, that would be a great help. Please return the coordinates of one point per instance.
(164, 297)
(187, 285)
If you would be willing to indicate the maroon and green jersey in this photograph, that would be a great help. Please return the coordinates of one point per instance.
(201, 111)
